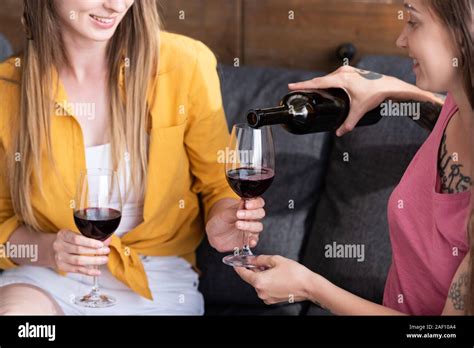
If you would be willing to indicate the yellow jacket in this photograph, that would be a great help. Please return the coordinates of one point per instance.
(188, 130)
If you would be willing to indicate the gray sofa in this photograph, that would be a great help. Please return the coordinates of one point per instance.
(316, 198)
(5, 48)
(334, 200)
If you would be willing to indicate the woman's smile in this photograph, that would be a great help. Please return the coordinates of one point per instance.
(103, 22)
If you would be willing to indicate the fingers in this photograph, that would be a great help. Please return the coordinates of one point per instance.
(79, 264)
(76, 253)
(255, 203)
(248, 276)
(77, 239)
(350, 123)
(262, 262)
(328, 81)
(256, 214)
(80, 250)
(249, 226)
(253, 241)
(78, 269)
(80, 260)
(253, 209)
(251, 214)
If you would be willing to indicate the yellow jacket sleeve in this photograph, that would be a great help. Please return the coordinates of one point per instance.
(8, 221)
(207, 134)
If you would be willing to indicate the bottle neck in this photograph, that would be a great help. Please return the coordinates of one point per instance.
(267, 117)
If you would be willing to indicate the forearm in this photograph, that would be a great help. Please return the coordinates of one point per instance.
(430, 103)
(341, 302)
(399, 90)
(40, 243)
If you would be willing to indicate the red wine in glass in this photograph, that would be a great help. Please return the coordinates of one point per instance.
(250, 170)
(250, 182)
(97, 223)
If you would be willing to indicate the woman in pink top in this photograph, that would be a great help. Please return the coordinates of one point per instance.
(431, 271)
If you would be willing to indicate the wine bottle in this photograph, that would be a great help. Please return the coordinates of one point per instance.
(303, 112)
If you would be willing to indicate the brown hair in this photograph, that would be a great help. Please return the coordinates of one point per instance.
(137, 39)
(457, 15)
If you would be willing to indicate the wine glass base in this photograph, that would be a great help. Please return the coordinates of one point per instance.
(95, 301)
(240, 261)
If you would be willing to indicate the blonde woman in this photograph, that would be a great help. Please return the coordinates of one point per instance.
(157, 118)
(432, 241)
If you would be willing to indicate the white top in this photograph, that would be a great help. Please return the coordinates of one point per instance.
(132, 210)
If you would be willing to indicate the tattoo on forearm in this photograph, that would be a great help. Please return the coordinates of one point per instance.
(369, 75)
(452, 179)
(458, 292)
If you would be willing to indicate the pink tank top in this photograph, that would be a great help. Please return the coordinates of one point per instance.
(428, 231)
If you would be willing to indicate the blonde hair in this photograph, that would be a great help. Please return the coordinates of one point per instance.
(136, 41)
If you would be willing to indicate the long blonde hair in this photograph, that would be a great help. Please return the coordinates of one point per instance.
(134, 47)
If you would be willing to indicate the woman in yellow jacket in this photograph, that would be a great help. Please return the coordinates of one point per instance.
(154, 100)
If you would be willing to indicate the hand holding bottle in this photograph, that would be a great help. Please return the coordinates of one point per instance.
(366, 91)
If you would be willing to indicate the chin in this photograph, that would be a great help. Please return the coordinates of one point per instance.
(100, 37)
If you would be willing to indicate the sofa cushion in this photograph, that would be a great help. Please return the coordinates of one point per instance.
(300, 166)
(353, 205)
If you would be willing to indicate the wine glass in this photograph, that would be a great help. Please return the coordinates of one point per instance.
(97, 214)
(250, 169)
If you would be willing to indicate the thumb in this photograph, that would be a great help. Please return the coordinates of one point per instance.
(248, 276)
(265, 261)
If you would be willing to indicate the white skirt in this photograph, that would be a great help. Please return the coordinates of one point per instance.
(172, 281)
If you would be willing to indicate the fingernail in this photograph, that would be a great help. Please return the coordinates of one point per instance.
(241, 224)
(105, 250)
(240, 214)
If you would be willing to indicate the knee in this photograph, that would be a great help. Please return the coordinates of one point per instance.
(25, 299)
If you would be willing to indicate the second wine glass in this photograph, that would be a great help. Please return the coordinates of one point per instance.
(250, 169)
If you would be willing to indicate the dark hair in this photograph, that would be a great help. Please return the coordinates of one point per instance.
(457, 15)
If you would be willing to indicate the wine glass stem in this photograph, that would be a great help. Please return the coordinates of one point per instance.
(246, 248)
(246, 237)
(95, 286)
